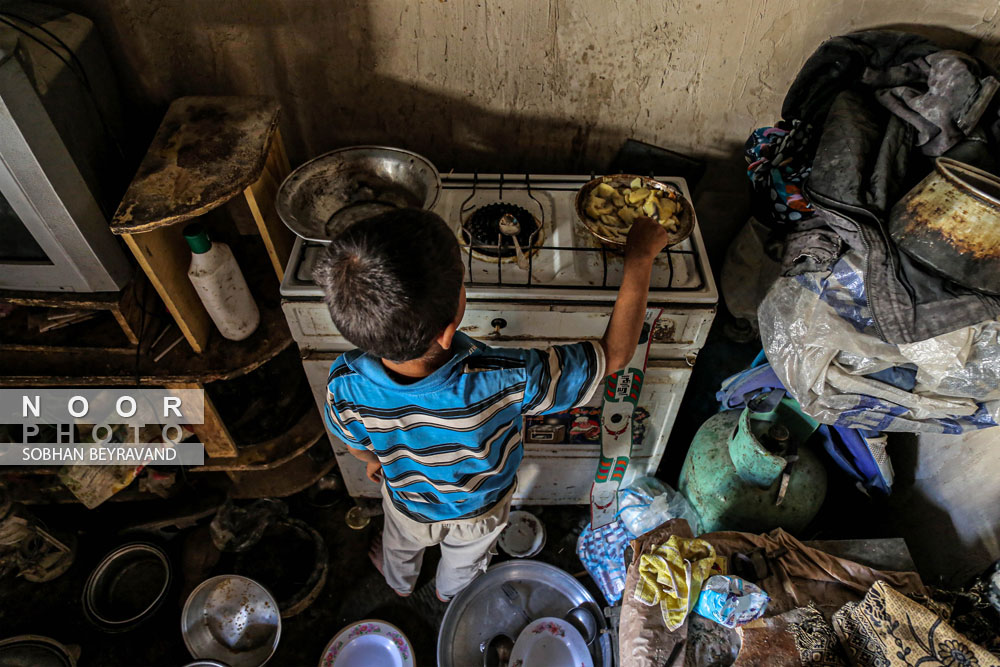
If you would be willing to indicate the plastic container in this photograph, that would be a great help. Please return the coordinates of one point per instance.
(220, 285)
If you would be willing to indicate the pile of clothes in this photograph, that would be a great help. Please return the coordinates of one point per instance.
(860, 334)
(821, 609)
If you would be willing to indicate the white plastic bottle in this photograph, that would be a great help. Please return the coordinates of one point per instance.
(220, 285)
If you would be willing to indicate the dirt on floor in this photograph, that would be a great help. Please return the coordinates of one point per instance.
(353, 591)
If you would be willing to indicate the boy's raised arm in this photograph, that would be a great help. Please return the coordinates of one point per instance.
(645, 240)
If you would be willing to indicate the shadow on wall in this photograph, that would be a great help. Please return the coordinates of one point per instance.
(944, 503)
(328, 83)
(325, 62)
(323, 66)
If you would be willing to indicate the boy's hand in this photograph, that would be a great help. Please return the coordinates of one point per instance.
(374, 471)
(646, 239)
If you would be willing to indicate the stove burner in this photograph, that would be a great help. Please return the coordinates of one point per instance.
(482, 230)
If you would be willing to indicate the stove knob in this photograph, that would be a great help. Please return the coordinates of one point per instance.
(498, 323)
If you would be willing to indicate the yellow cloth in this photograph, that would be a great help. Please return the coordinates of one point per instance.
(671, 575)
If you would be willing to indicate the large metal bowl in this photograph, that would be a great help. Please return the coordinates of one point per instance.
(35, 651)
(482, 610)
(685, 217)
(326, 195)
(127, 587)
(231, 619)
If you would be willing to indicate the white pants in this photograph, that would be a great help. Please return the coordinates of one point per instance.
(467, 545)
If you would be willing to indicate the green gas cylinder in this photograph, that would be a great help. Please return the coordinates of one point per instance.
(752, 471)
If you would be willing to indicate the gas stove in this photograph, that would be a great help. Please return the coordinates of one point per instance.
(564, 262)
(564, 294)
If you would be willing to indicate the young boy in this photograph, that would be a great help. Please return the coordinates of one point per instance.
(435, 415)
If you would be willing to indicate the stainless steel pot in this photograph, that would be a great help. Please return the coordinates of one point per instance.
(324, 196)
(127, 587)
(233, 620)
(950, 222)
(36, 651)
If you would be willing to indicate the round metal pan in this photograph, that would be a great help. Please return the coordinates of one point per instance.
(324, 196)
(685, 218)
(482, 610)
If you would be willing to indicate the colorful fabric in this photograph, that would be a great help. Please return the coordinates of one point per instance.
(602, 552)
(450, 443)
(731, 601)
(778, 165)
(671, 575)
(887, 629)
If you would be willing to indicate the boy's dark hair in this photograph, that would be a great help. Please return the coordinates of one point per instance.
(392, 282)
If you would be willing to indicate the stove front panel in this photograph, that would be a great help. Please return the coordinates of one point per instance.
(679, 334)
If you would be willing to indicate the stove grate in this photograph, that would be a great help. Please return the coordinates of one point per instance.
(475, 250)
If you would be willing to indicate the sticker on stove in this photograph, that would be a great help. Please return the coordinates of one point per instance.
(622, 390)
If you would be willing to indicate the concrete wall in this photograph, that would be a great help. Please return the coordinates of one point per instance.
(946, 502)
(513, 85)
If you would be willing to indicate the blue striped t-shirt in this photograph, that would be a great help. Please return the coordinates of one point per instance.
(450, 443)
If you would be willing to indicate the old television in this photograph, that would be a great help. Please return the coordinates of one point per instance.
(61, 165)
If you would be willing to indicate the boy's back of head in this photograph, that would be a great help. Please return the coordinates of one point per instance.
(393, 282)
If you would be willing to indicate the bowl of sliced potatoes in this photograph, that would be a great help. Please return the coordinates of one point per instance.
(607, 207)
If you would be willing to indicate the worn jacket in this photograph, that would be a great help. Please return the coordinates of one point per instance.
(883, 104)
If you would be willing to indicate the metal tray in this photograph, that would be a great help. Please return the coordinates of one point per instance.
(482, 610)
(327, 194)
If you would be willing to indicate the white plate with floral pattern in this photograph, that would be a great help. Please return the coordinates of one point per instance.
(367, 643)
(550, 642)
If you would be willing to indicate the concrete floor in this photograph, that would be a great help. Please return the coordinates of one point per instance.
(354, 590)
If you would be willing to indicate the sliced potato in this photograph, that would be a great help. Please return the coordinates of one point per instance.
(604, 190)
(667, 206)
(614, 210)
(636, 196)
(597, 207)
(628, 215)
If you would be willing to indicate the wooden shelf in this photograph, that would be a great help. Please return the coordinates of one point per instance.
(295, 476)
(210, 155)
(273, 453)
(125, 306)
(43, 366)
(206, 151)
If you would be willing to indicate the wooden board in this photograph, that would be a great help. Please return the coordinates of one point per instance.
(272, 453)
(125, 306)
(41, 366)
(164, 256)
(206, 151)
(213, 432)
(260, 197)
(291, 478)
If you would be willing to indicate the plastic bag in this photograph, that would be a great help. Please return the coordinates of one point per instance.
(647, 503)
(602, 552)
(731, 601)
(822, 342)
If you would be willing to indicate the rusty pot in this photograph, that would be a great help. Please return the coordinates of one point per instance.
(950, 222)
